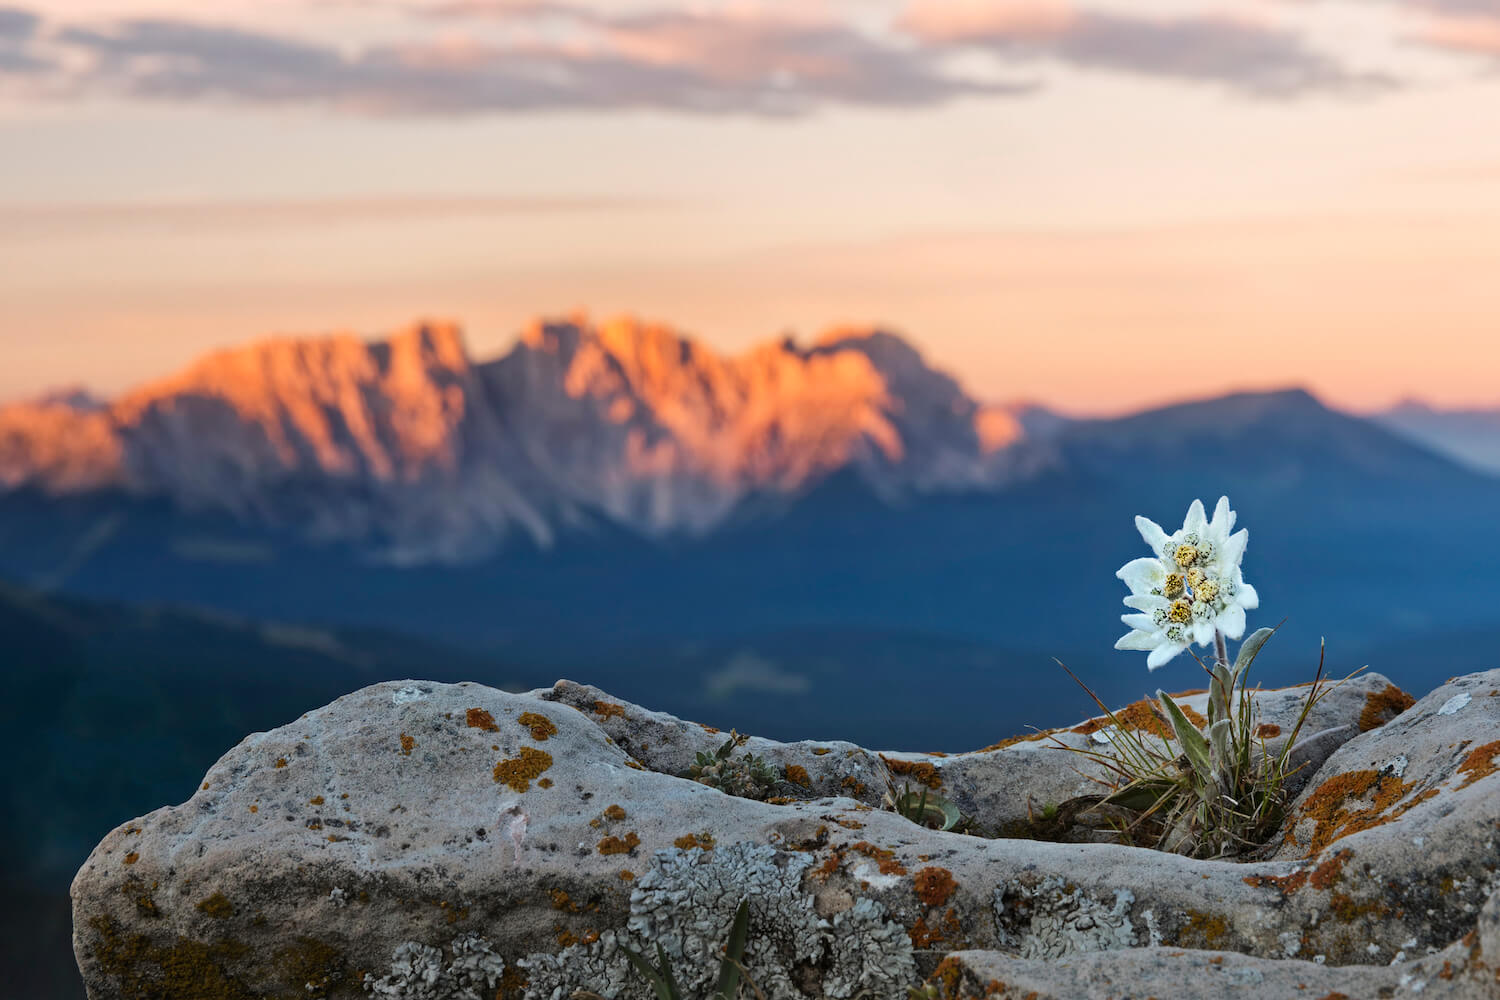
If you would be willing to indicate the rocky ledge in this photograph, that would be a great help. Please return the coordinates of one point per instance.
(435, 842)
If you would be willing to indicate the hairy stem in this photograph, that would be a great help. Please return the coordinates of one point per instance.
(1220, 649)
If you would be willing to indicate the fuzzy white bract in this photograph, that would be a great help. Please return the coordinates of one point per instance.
(1190, 588)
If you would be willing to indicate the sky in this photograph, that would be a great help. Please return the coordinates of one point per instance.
(1098, 204)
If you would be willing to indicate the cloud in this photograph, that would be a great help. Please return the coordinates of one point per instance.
(683, 62)
(1472, 29)
(1245, 57)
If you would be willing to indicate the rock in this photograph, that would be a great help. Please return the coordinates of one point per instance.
(439, 841)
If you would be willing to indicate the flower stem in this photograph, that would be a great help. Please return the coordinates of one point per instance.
(1220, 649)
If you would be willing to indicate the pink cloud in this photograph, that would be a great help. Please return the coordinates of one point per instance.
(1477, 34)
(960, 20)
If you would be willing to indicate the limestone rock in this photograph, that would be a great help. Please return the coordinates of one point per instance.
(437, 841)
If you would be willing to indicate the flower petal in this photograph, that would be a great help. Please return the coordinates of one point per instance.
(1143, 622)
(1234, 548)
(1245, 595)
(1203, 633)
(1137, 640)
(1223, 519)
(1232, 622)
(1141, 575)
(1146, 602)
(1152, 533)
(1161, 654)
(1195, 521)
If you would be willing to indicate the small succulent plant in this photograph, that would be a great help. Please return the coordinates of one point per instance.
(932, 811)
(749, 776)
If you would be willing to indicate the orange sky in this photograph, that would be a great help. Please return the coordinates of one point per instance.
(1047, 197)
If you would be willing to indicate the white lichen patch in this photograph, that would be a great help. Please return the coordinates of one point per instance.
(418, 972)
(1452, 705)
(686, 904)
(407, 695)
(871, 954)
(1051, 919)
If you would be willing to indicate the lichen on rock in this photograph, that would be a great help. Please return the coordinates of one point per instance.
(1052, 918)
(418, 972)
(686, 904)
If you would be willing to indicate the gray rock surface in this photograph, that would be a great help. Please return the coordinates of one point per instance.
(442, 841)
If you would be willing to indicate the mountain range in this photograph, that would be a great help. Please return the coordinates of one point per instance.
(409, 449)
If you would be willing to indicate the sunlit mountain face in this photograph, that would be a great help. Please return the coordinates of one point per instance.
(406, 448)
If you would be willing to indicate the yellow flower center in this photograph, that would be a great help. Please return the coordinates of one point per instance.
(1185, 555)
(1173, 588)
(1195, 578)
(1208, 591)
(1181, 613)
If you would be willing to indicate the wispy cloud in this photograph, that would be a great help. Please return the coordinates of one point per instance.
(757, 64)
(1244, 56)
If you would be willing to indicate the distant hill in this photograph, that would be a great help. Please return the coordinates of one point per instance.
(1471, 437)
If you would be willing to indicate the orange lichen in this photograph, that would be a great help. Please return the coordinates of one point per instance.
(1141, 715)
(923, 936)
(1347, 909)
(820, 751)
(407, 745)
(561, 901)
(1327, 874)
(614, 812)
(1205, 930)
(255, 809)
(281, 762)
(797, 775)
(707, 729)
(614, 845)
(1267, 730)
(216, 906)
(919, 771)
(518, 772)
(1011, 741)
(606, 709)
(544, 782)
(1383, 706)
(541, 727)
(1333, 819)
(849, 824)
(478, 718)
(1480, 763)
(633, 764)
(132, 858)
(934, 885)
(688, 841)
(626, 875)
(853, 784)
(884, 858)
(316, 800)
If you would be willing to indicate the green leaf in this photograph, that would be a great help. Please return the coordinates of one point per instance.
(734, 952)
(657, 983)
(1142, 796)
(666, 971)
(1193, 743)
(1221, 751)
(725, 750)
(1250, 648)
(1220, 688)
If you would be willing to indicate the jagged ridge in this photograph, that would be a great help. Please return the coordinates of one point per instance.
(406, 444)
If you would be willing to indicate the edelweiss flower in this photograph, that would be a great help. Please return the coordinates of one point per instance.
(1191, 588)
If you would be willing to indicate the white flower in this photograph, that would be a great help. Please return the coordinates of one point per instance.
(1190, 588)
